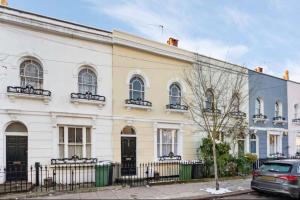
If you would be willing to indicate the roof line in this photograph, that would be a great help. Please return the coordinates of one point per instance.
(52, 18)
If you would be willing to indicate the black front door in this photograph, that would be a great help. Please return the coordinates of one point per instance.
(128, 156)
(16, 158)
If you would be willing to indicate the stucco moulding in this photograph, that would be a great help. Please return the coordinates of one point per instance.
(76, 102)
(14, 96)
(130, 106)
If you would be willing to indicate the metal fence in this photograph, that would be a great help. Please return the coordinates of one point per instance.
(70, 175)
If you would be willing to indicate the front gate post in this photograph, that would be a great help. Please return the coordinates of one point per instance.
(37, 173)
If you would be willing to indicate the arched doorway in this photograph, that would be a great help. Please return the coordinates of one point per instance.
(16, 151)
(128, 151)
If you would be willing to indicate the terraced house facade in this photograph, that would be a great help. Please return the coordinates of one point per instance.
(69, 90)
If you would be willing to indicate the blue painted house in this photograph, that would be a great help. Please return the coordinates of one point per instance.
(268, 115)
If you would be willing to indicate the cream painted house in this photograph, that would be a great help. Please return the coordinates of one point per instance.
(147, 78)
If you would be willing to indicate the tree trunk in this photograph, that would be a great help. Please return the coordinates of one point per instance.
(215, 165)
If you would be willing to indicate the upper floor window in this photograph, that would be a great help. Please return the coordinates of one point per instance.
(31, 73)
(296, 110)
(87, 81)
(258, 106)
(278, 109)
(175, 94)
(136, 89)
(236, 103)
(209, 99)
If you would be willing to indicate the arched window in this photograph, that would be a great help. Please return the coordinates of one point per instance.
(258, 106)
(236, 103)
(31, 74)
(87, 81)
(175, 94)
(209, 99)
(278, 109)
(296, 110)
(252, 143)
(136, 89)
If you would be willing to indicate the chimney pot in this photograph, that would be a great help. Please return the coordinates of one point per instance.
(286, 75)
(4, 2)
(259, 69)
(172, 42)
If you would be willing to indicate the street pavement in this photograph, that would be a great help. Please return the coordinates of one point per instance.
(171, 191)
(256, 195)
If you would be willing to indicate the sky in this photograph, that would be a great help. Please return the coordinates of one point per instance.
(249, 32)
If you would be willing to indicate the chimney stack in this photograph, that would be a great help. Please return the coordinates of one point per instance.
(259, 69)
(3, 3)
(172, 42)
(286, 75)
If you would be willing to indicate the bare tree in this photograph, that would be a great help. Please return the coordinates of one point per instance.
(217, 98)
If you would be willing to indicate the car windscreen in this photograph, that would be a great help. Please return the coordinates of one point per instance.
(276, 167)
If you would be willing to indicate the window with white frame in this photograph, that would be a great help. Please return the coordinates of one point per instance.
(236, 103)
(274, 144)
(136, 89)
(167, 142)
(241, 144)
(258, 106)
(31, 74)
(278, 109)
(209, 99)
(175, 94)
(87, 81)
(75, 141)
(296, 110)
(253, 143)
(298, 144)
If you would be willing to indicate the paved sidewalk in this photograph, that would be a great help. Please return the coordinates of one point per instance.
(184, 190)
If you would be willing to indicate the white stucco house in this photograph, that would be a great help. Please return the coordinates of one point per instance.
(46, 67)
(293, 89)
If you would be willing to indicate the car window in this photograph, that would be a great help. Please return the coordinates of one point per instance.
(276, 167)
(298, 169)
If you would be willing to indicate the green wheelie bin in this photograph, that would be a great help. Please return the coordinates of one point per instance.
(102, 174)
(185, 171)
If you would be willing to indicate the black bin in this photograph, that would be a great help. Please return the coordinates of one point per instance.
(197, 170)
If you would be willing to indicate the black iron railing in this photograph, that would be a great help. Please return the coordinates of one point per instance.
(279, 118)
(138, 102)
(259, 116)
(176, 107)
(212, 111)
(28, 90)
(87, 96)
(297, 120)
(238, 114)
(73, 160)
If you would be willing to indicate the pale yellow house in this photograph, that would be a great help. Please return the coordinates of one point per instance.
(150, 120)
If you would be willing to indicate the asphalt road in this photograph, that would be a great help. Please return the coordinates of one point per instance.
(256, 195)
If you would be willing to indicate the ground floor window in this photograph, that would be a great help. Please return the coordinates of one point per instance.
(74, 141)
(298, 144)
(167, 142)
(274, 144)
(253, 143)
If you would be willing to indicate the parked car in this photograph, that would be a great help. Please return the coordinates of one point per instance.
(278, 176)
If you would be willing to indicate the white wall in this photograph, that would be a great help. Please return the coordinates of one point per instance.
(61, 57)
(294, 129)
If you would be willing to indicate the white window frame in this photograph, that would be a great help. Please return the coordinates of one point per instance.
(259, 106)
(66, 141)
(81, 85)
(278, 109)
(171, 95)
(131, 89)
(24, 78)
(279, 142)
(160, 132)
(296, 111)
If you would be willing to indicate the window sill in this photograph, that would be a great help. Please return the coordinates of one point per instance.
(176, 111)
(256, 120)
(132, 106)
(282, 122)
(101, 104)
(13, 96)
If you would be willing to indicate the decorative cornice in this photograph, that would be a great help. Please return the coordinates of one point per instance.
(52, 25)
